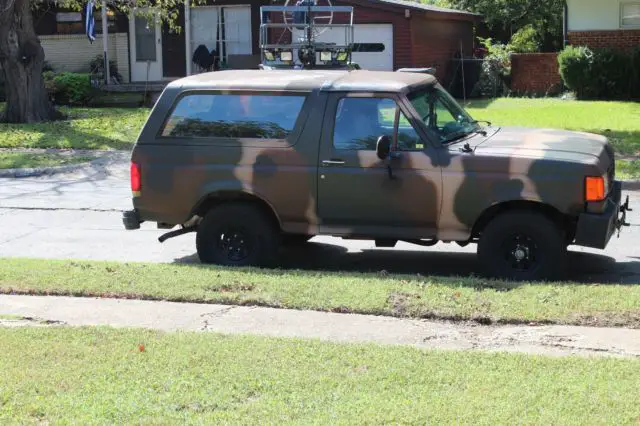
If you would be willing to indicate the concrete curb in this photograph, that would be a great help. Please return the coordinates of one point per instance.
(46, 171)
(102, 158)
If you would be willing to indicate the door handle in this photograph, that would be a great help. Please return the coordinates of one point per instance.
(332, 162)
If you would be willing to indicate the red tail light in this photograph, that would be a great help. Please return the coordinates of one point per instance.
(135, 179)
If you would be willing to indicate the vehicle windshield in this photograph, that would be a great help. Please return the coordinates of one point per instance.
(442, 114)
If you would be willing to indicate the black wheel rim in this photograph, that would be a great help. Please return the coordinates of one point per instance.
(521, 253)
(234, 243)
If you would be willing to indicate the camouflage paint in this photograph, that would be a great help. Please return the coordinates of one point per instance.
(438, 192)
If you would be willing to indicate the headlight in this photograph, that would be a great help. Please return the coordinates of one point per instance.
(326, 56)
(342, 56)
(286, 56)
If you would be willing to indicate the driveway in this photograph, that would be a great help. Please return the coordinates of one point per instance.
(77, 215)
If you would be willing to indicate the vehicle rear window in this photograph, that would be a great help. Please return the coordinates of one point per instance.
(234, 116)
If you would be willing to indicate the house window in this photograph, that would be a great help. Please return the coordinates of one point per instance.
(630, 15)
(145, 39)
(368, 47)
(71, 22)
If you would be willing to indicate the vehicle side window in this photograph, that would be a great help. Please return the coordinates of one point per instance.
(234, 116)
(361, 121)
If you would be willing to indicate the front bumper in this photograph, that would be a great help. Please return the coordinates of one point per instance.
(595, 230)
(131, 219)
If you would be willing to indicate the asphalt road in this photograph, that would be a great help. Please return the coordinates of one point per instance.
(78, 216)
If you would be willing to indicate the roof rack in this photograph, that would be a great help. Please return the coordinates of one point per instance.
(290, 35)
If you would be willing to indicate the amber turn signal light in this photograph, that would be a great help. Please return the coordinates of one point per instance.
(594, 187)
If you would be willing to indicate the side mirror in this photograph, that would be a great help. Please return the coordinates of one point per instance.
(383, 147)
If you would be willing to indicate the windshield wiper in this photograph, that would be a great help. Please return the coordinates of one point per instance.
(455, 136)
(462, 133)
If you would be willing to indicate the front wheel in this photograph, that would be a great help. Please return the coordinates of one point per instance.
(522, 246)
(237, 235)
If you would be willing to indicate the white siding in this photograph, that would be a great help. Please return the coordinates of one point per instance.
(73, 52)
(594, 15)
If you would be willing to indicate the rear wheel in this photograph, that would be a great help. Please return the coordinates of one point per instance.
(237, 234)
(522, 246)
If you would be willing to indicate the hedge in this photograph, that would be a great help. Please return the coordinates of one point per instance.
(601, 73)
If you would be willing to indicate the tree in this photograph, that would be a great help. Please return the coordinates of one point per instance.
(21, 60)
(505, 17)
(22, 56)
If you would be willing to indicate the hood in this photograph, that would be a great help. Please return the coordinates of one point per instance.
(554, 144)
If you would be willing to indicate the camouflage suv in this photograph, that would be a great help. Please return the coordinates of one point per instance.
(252, 160)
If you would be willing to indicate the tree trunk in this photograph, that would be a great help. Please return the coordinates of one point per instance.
(21, 61)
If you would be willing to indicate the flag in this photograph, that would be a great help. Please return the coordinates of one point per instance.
(90, 22)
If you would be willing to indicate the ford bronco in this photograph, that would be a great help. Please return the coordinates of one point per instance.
(251, 160)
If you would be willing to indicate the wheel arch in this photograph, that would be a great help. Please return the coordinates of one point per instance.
(562, 220)
(215, 199)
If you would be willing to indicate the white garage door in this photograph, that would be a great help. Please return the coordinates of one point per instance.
(374, 42)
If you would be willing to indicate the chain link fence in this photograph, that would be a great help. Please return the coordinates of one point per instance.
(478, 78)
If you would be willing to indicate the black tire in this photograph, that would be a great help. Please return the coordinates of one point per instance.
(522, 246)
(295, 239)
(237, 234)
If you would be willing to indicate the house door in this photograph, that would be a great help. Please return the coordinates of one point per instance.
(145, 48)
(356, 193)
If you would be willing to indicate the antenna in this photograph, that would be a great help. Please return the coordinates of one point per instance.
(290, 35)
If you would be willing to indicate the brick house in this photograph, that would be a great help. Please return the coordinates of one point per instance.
(407, 33)
(603, 23)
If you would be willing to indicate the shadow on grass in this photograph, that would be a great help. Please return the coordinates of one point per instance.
(452, 268)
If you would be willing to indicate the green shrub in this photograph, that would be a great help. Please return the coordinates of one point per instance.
(525, 40)
(495, 77)
(575, 68)
(600, 73)
(69, 88)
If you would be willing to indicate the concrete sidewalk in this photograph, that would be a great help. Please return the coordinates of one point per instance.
(167, 316)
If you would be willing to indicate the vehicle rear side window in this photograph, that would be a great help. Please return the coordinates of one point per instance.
(234, 116)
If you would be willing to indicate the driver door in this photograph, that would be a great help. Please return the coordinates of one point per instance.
(359, 194)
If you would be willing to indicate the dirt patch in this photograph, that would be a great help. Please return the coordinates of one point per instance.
(400, 303)
(629, 319)
(235, 287)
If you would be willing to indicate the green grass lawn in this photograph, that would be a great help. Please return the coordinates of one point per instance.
(16, 160)
(100, 376)
(86, 128)
(628, 169)
(618, 120)
(392, 295)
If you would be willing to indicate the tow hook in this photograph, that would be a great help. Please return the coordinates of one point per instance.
(622, 221)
